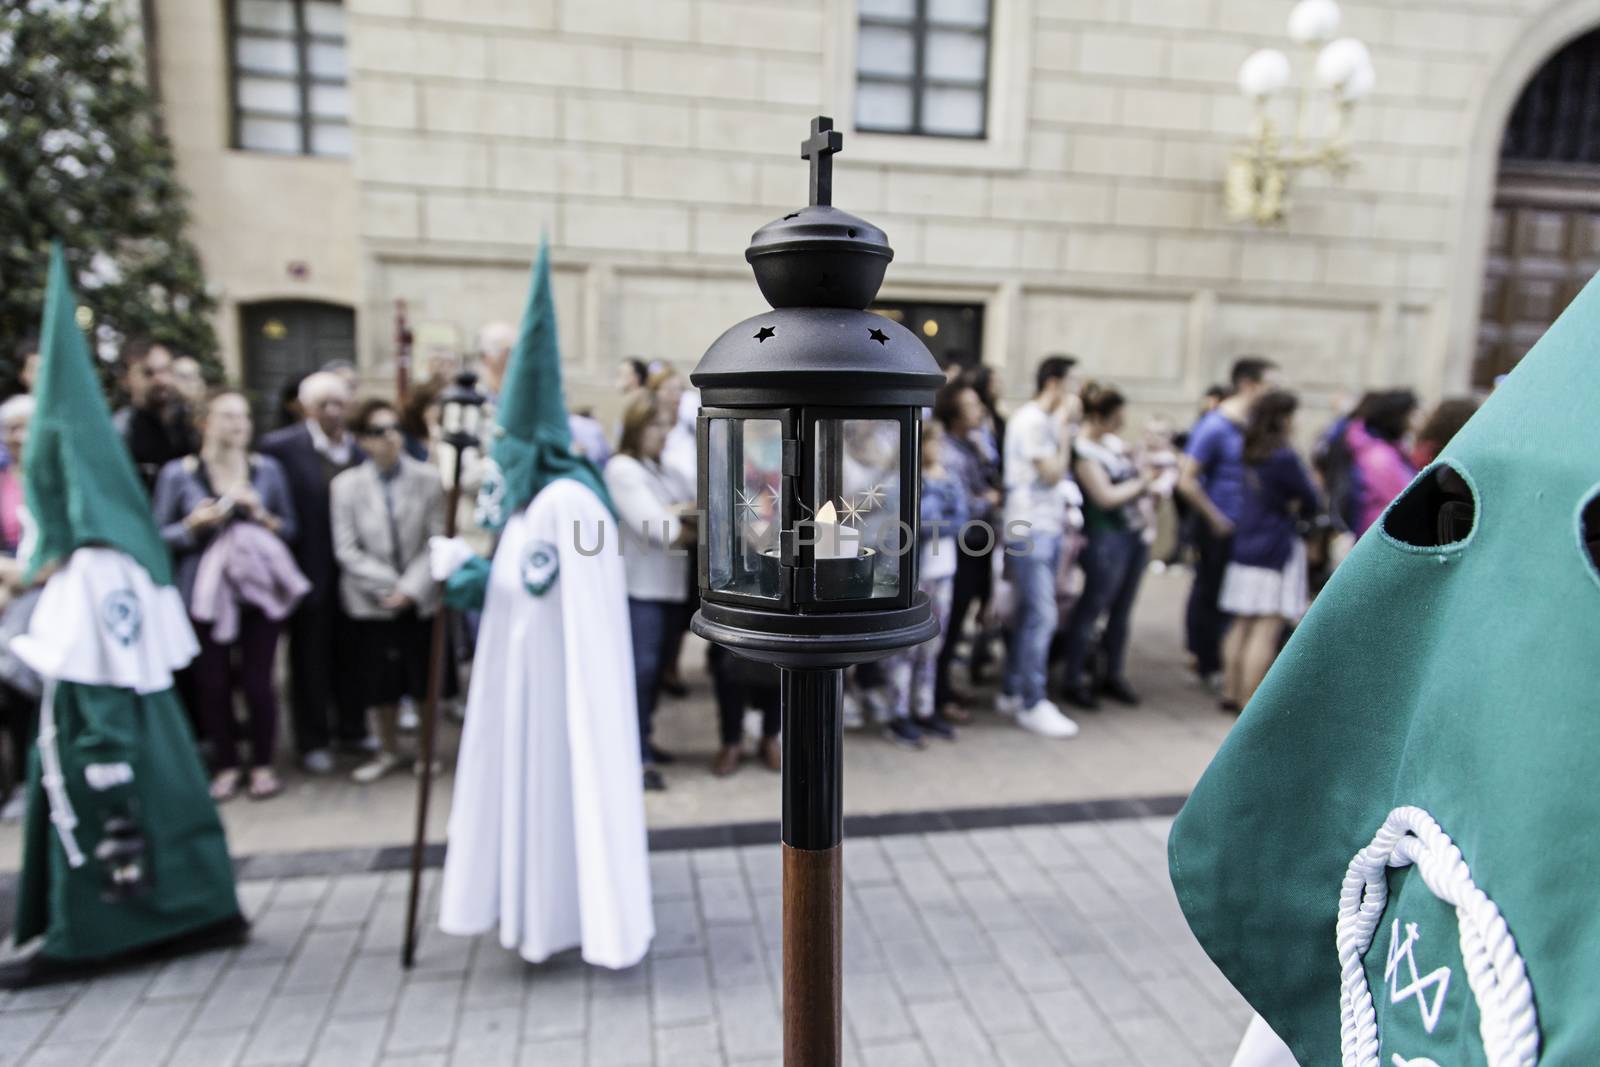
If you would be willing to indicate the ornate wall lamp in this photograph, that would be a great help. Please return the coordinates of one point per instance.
(1341, 73)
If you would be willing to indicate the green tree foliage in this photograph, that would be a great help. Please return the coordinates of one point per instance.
(84, 159)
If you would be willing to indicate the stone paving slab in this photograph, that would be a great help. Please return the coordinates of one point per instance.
(1015, 947)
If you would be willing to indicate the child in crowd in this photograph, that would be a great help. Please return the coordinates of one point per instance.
(909, 675)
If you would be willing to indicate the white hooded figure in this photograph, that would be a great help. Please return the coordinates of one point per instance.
(547, 833)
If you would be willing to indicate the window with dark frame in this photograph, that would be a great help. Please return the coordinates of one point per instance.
(1557, 120)
(922, 67)
(290, 77)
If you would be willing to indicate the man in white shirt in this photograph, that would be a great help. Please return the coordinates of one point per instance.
(1037, 501)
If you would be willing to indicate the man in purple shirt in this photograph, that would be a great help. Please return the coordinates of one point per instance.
(1211, 479)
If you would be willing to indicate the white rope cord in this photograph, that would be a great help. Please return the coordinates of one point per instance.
(55, 786)
(1508, 1021)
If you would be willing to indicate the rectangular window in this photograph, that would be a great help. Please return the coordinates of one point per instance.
(922, 67)
(290, 92)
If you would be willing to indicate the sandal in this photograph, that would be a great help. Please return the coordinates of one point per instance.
(264, 785)
(225, 786)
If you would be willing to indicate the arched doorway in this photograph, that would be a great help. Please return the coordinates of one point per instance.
(1544, 230)
(286, 339)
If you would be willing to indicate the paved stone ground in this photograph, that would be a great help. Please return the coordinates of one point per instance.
(1025, 947)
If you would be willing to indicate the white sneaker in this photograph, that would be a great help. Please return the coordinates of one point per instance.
(1046, 720)
(1008, 705)
(318, 761)
(370, 772)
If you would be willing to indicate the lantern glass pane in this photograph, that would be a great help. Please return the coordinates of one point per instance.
(744, 478)
(859, 538)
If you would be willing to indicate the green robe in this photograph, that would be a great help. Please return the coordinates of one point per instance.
(189, 873)
(1452, 668)
(108, 614)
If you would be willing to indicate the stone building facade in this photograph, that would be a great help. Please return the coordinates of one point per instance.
(649, 138)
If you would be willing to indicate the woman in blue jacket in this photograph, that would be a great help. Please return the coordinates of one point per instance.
(1265, 587)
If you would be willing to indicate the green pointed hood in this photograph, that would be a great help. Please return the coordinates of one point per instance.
(80, 483)
(532, 441)
(1456, 679)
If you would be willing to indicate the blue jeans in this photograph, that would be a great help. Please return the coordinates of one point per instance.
(1033, 576)
(652, 624)
(1113, 565)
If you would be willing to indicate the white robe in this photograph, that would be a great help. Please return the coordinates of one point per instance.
(547, 832)
(1262, 1048)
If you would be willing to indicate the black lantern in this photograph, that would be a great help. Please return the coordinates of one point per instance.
(461, 413)
(810, 451)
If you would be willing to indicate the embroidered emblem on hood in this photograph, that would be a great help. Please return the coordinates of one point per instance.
(540, 566)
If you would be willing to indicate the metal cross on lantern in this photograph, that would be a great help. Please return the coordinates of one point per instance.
(819, 149)
(810, 445)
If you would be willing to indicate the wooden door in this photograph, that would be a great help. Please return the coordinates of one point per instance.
(1544, 246)
(284, 340)
(952, 332)
(1544, 240)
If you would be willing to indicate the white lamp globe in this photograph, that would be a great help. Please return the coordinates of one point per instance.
(1314, 21)
(1264, 74)
(1359, 84)
(1340, 61)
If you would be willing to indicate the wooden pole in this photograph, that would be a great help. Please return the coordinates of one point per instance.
(402, 356)
(813, 867)
(430, 718)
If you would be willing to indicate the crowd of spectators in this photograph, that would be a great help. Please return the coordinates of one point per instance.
(1038, 531)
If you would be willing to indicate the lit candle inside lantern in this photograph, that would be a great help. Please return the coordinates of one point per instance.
(833, 540)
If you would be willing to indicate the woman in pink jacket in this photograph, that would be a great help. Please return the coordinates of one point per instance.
(1375, 438)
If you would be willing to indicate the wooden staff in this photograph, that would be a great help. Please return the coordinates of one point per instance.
(813, 866)
(459, 441)
(402, 356)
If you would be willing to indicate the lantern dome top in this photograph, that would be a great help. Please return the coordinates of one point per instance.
(819, 256)
(819, 267)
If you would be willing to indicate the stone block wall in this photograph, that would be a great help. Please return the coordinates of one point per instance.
(648, 138)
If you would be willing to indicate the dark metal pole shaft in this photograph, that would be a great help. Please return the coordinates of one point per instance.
(813, 866)
(430, 717)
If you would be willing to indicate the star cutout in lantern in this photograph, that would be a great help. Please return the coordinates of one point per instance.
(851, 511)
(764, 333)
(750, 504)
(873, 497)
(878, 336)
